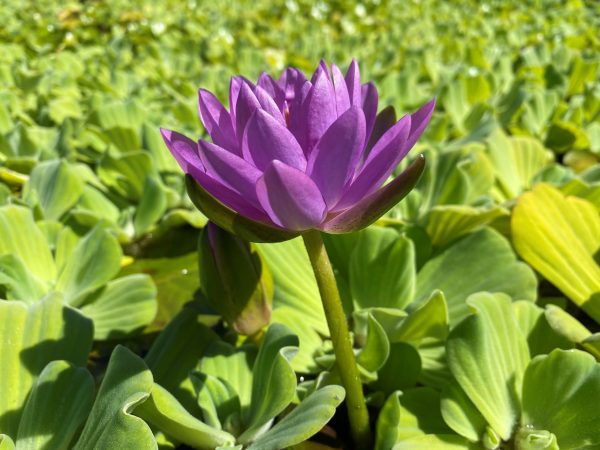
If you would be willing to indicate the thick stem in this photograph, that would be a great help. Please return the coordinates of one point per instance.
(340, 337)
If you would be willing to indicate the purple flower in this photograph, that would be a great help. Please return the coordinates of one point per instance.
(295, 154)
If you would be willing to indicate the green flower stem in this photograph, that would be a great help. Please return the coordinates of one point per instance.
(340, 337)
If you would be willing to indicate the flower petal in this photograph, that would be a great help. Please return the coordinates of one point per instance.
(297, 122)
(353, 84)
(228, 219)
(381, 162)
(372, 207)
(265, 140)
(246, 104)
(230, 169)
(291, 198)
(369, 105)
(420, 120)
(385, 120)
(342, 98)
(235, 84)
(320, 70)
(268, 104)
(186, 153)
(291, 81)
(334, 158)
(267, 82)
(216, 120)
(183, 149)
(318, 110)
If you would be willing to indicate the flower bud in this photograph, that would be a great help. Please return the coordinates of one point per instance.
(234, 280)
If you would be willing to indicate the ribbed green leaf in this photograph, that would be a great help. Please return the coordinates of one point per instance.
(516, 161)
(312, 414)
(481, 261)
(55, 185)
(460, 413)
(58, 405)
(487, 354)
(164, 412)
(152, 205)
(172, 356)
(127, 383)
(448, 222)
(94, 261)
(273, 379)
(574, 331)
(122, 306)
(296, 291)
(22, 238)
(561, 392)
(559, 236)
(382, 269)
(19, 283)
(31, 337)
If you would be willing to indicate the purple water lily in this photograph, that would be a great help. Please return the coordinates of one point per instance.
(297, 154)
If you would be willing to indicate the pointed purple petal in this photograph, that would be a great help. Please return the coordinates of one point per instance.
(268, 104)
(332, 163)
(246, 104)
(385, 120)
(297, 122)
(372, 207)
(353, 84)
(186, 153)
(267, 82)
(381, 162)
(320, 70)
(342, 99)
(420, 120)
(369, 105)
(235, 84)
(291, 198)
(265, 140)
(183, 149)
(230, 169)
(216, 120)
(318, 110)
(291, 81)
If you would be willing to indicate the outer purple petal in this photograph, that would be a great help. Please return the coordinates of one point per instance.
(235, 84)
(353, 84)
(291, 198)
(372, 207)
(318, 110)
(267, 82)
(268, 104)
(420, 120)
(246, 104)
(185, 152)
(265, 140)
(370, 99)
(230, 169)
(342, 98)
(216, 120)
(381, 162)
(333, 161)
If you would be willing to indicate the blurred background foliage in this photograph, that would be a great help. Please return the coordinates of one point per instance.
(93, 206)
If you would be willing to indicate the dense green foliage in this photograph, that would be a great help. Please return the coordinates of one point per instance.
(464, 300)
